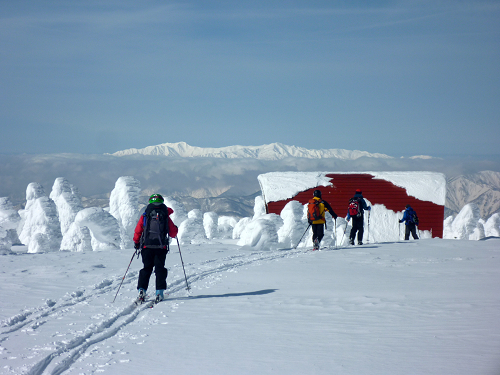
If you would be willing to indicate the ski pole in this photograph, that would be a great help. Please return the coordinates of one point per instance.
(133, 255)
(335, 232)
(368, 234)
(302, 237)
(185, 277)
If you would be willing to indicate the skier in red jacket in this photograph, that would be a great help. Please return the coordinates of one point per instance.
(151, 238)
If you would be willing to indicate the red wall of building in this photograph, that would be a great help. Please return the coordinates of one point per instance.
(377, 191)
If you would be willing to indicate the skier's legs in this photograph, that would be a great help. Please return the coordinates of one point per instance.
(413, 229)
(318, 231)
(407, 232)
(148, 259)
(160, 271)
(361, 230)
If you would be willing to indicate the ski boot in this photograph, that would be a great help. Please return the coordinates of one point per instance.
(316, 244)
(159, 296)
(141, 298)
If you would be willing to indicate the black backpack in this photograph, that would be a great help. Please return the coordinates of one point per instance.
(414, 217)
(155, 233)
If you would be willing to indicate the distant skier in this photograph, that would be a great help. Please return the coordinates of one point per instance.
(411, 221)
(356, 208)
(151, 237)
(316, 217)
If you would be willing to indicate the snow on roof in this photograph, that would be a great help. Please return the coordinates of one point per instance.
(425, 186)
(277, 186)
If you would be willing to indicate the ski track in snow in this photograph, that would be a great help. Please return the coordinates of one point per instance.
(67, 352)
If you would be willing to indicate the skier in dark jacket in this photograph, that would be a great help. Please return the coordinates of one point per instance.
(411, 226)
(318, 226)
(151, 237)
(357, 220)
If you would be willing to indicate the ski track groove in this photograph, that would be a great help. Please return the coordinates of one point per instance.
(107, 328)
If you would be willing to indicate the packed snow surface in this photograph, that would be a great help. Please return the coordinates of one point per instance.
(426, 186)
(410, 307)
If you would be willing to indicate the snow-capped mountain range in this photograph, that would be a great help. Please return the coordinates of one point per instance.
(482, 189)
(273, 151)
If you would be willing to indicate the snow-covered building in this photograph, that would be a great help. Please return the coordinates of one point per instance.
(385, 191)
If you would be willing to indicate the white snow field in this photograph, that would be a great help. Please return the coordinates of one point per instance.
(416, 307)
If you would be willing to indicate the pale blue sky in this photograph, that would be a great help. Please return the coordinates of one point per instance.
(396, 77)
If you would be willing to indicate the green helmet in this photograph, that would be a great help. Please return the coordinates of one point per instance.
(156, 199)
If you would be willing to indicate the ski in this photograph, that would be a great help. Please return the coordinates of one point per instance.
(155, 302)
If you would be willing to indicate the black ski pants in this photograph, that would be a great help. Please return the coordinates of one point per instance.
(318, 231)
(153, 258)
(357, 226)
(411, 228)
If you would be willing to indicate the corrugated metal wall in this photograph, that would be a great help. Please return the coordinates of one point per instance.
(377, 191)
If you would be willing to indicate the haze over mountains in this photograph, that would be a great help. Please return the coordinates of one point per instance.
(224, 180)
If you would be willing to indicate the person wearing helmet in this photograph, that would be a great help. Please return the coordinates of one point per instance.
(317, 220)
(357, 206)
(151, 239)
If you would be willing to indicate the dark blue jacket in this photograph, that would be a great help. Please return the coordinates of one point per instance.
(408, 216)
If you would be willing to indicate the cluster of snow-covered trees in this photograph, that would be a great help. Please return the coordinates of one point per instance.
(59, 222)
(468, 225)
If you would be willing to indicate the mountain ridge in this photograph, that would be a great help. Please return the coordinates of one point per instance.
(272, 151)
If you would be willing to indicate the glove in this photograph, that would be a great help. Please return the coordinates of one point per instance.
(347, 219)
(369, 208)
(137, 245)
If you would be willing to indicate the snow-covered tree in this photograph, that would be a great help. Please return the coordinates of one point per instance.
(261, 232)
(466, 225)
(225, 226)
(179, 214)
(492, 226)
(210, 224)
(67, 200)
(103, 227)
(77, 238)
(259, 207)
(41, 229)
(191, 231)
(9, 219)
(240, 226)
(124, 206)
(293, 224)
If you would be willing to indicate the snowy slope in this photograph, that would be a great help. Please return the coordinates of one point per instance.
(419, 307)
(273, 151)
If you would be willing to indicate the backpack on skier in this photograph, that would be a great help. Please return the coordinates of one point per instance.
(313, 212)
(155, 234)
(354, 207)
(414, 218)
